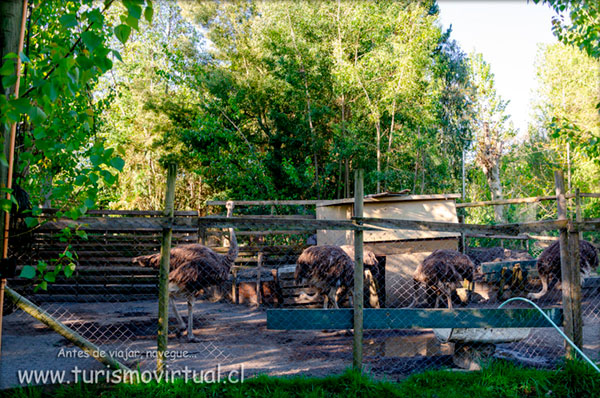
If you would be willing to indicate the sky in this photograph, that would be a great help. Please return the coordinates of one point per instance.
(507, 33)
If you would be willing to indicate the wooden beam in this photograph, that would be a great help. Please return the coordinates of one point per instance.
(403, 318)
(71, 335)
(252, 223)
(265, 202)
(419, 225)
(532, 199)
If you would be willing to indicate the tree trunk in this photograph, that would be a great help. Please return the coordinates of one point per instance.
(489, 156)
(493, 177)
(346, 178)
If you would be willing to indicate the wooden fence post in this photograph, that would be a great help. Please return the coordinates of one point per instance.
(569, 263)
(357, 349)
(463, 239)
(578, 216)
(163, 281)
(574, 281)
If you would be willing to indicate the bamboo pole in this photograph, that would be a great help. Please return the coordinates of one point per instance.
(358, 273)
(11, 161)
(71, 335)
(163, 281)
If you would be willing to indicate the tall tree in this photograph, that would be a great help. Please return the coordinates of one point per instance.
(492, 127)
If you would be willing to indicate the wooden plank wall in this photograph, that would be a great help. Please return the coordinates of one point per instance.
(104, 269)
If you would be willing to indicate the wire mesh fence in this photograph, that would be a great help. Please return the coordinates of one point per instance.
(111, 300)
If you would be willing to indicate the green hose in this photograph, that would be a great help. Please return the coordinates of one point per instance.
(555, 327)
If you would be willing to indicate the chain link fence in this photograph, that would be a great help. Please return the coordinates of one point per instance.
(111, 300)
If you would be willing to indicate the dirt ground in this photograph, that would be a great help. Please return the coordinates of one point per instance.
(232, 336)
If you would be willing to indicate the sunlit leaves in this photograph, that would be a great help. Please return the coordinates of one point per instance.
(91, 40)
(69, 20)
(122, 32)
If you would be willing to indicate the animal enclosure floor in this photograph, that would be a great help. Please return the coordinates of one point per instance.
(230, 336)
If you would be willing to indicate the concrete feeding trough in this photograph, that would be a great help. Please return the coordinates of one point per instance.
(473, 346)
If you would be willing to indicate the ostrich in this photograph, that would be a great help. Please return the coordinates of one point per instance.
(194, 267)
(370, 268)
(330, 270)
(549, 268)
(442, 271)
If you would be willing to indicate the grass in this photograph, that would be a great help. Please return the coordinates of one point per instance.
(498, 379)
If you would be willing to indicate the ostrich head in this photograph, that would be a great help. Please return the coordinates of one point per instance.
(233, 245)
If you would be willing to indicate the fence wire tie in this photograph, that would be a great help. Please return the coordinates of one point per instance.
(564, 336)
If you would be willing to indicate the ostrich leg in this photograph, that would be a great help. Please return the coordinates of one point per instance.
(190, 328)
(537, 296)
(177, 316)
(325, 300)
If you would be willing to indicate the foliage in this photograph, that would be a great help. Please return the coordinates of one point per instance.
(61, 161)
(287, 94)
(141, 118)
(577, 23)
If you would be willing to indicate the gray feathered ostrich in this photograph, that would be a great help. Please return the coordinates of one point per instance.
(549, 269)
(442, 272)
(194, 267)
(330, 270)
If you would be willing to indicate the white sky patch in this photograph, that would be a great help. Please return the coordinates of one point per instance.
(507, 33)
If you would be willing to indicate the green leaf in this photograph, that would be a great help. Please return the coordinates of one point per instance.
(31, 222)
(9, 81)
(117, 163)
(8, 68)
(6, 205)
(27, 272)
(133, 22)
(149, 12)
(95, 16)
(37, 115)
(22, 105)
(50, 277)
(89, 202)
(108, 177)
(43, 285)
(117, 55)
(81, 234)
(68, 20)
(91, 40)
(41, 266)
(69, 269)
(134, 9)
(80, 179)
(122, 32)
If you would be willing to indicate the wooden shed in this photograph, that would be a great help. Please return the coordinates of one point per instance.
(404, 249)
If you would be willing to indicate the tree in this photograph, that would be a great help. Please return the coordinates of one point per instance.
(577, 23)
(491, 123)
(60, 158)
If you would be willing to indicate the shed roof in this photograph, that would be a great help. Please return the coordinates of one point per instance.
(390, 197)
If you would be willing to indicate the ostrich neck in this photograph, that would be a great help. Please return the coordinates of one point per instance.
(233, 247)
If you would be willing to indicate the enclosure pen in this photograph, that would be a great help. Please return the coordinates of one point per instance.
(263, 320)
